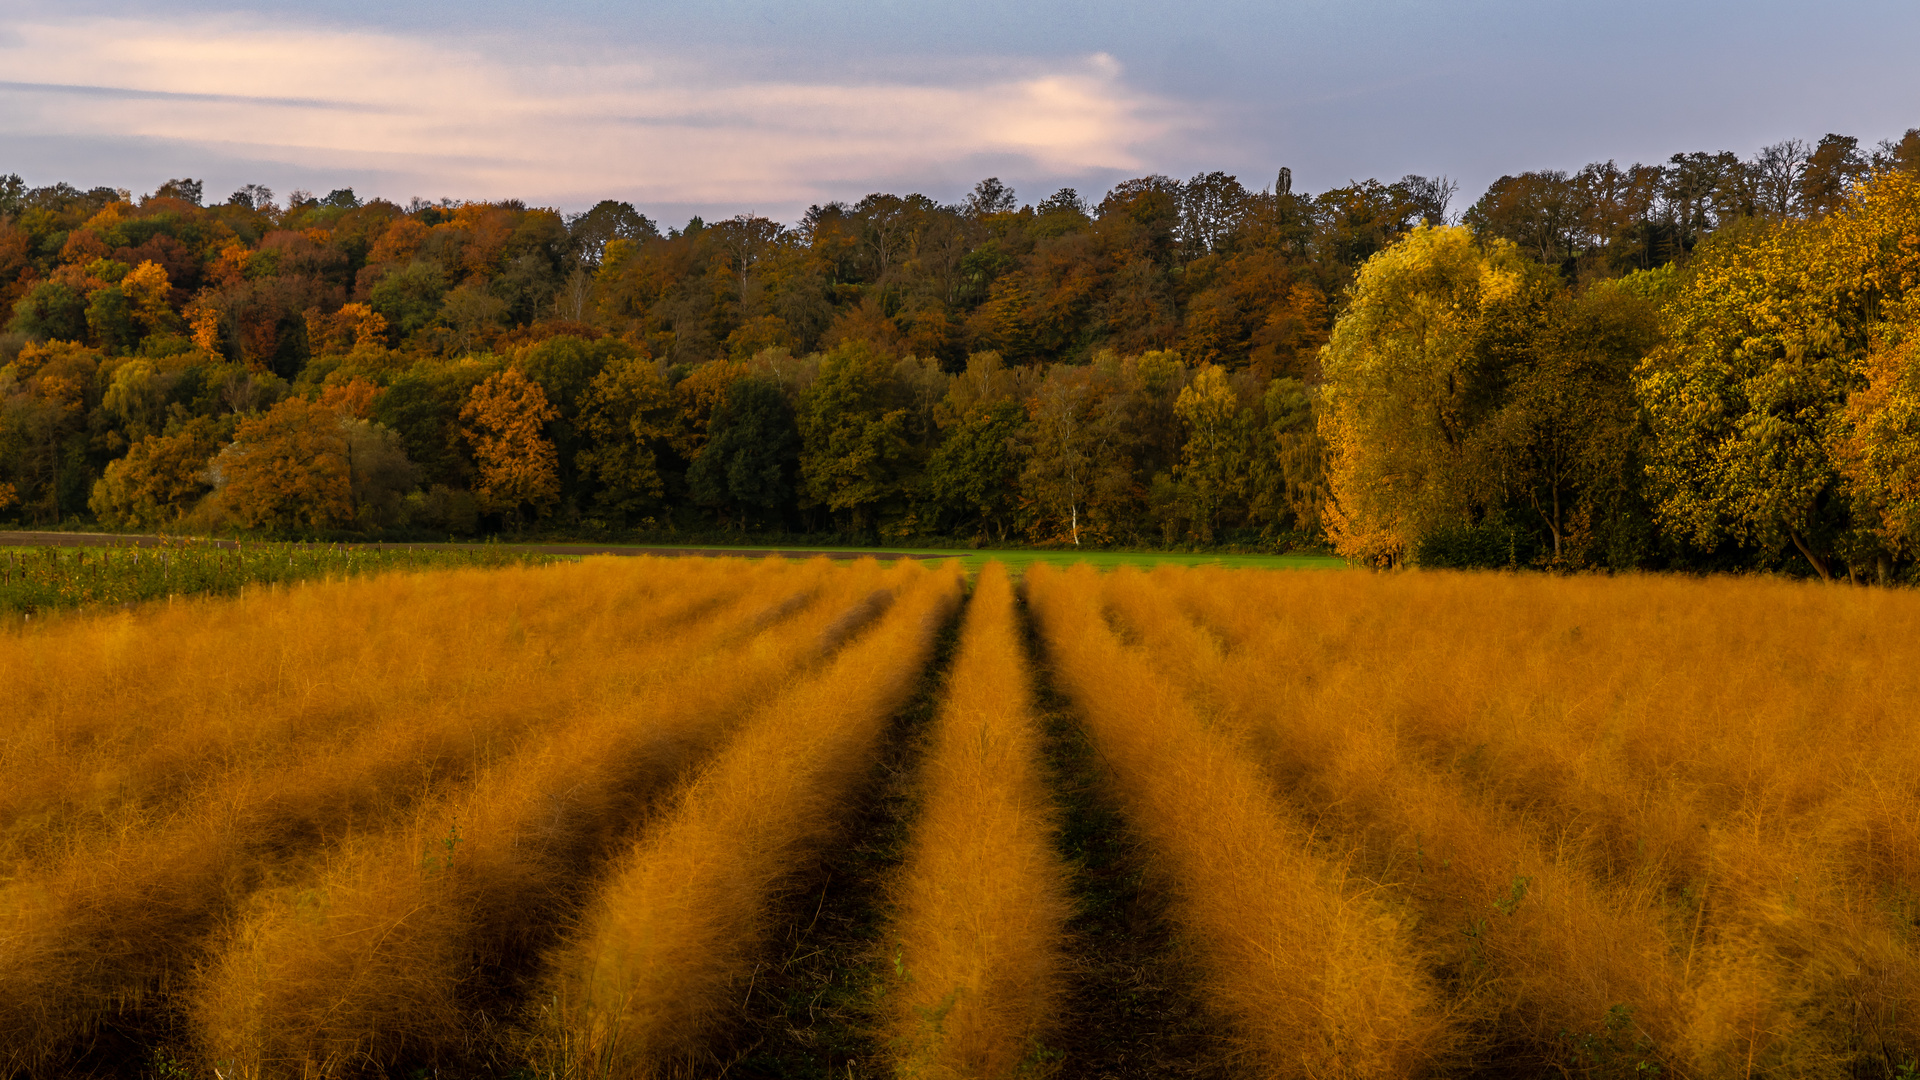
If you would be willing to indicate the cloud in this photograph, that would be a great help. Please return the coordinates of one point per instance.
(472, 118)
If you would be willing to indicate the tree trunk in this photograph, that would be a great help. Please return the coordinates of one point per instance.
(1556, 523)
(1819, 565)
(1552, 520)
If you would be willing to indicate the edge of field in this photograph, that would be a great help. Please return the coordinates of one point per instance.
(1016, 559)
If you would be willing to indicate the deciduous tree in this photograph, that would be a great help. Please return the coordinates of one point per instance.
(504, 419)
(286, 469)
(1215, 460)
(854, 453)
(747, 466)
(160, 478)
(627, 416)
(1404, 390)
(1744, 397)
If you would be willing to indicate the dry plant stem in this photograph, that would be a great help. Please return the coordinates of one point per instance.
(981, 903)
(120, 718)
(98, 928)
(1316, 982)
(1738, 753)
(668, 946)
(372, 956)
(1535, 945)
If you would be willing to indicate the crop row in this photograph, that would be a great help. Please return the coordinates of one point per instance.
(34, 580)
(1600, 826)
(556, 821)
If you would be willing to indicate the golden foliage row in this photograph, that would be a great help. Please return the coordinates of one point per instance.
(122, 718)
(669, 943)
(1660, 823)
(1316, 978)
(372, 955)
(978, 936)
(182, 758)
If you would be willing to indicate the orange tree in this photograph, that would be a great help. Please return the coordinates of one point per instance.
(1880, 452)
(504, 420)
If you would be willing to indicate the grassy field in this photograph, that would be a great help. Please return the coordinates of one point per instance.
(42, 579)
(37, 579)
(1019, 559)
(700, 817)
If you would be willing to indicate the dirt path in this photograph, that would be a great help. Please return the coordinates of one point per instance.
(1134, 1010)
(66, 539)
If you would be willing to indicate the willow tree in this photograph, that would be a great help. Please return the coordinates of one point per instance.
(1409, 375)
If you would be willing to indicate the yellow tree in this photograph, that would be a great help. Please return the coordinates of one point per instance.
(1880, 453)
(1401, 385)
(285, 469)
(160, 477)
(1771, 333)
(1878, 447)
(355, 328)
(150, 294)
(206, 324)
(355, 398)
(504, 419)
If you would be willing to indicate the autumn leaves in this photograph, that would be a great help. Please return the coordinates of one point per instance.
(319, 463)
(1755, 403)
(504, 419)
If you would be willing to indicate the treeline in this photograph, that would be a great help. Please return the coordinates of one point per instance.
(1150, 369)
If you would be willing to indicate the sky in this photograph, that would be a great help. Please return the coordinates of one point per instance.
(750, 106)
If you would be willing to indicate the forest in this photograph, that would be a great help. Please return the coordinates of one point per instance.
(1703, 364)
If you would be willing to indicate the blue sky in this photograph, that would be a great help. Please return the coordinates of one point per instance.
(745, 105)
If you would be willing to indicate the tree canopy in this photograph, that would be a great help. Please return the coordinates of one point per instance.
(1704, 362)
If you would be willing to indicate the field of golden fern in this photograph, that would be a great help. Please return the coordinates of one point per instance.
(703, 818)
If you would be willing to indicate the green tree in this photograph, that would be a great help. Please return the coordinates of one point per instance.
(1564, 437)
(45, 394)
(1077, 476)
(627, 415)
(1289, 480)
(110, 320)
(409, 297)
(972, 476)
(422, 405)
(1216, 459)
(135, 399)
(474, 313)
(855, 458)
(751, 454)
(566, 366)
(51, 311)
(379, 476)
